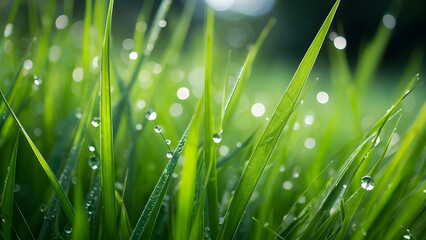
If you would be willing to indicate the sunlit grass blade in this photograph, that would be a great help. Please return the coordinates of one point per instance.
(6, 207)
(209, 147)
(65, 202)
(109, 216)
(271, 134)
(92, 203)
(242, 78)
(149, 215)
(185, 208)
(81, 223)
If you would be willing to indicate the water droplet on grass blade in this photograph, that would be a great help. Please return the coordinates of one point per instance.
(169, 154)
(406, 236)
(168, 142)
(68, 230)
(93, 162)
(151, 115)
(37, 81)
(217, 137)
(96, 122)
(43, 208)
(92, 148)
(367, 183)
(157, 129)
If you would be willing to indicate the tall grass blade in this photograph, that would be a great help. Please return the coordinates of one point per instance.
(209, 147)
(106, 139)
(270, 136)
(7, 195)
(238, 87)
(63, 199)
(150, 212)
(185, 207)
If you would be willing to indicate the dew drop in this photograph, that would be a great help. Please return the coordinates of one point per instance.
(68, 230)
(217, 137)
(43, 208)
(96, 121)
(37, 81)
(16, 188)
(367, 183)
(168, 142)
(90, 209)
(287, 185)
(157, 129)
(151, 115)
(265, 225)
(93, 162)
(92, 148)
(406, 236)
(169, 154)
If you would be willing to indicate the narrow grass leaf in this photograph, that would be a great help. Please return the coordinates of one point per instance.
(150, 212)
(63, 199)
(7, 195)
(270, 136)
(106, 138)
(209, 147)
(185, 207)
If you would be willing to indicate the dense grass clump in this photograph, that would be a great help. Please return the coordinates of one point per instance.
(164, 136)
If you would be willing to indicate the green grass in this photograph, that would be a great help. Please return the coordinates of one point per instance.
(210, 169)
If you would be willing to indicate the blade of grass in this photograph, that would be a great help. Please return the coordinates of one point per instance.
(270, 136)
(150, 212)
(106, 138)
(7, 195)
(209, 147)
(65, 202)
(25, 221)
(238, 87)
(187, 185)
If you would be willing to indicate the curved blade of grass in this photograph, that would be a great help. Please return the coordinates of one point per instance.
(270, 136)
(185, 207)
(237, 90)
(65, 202)
(228, 157)
(209, 147)
(106, 139)
(7, 195)
(150, 212)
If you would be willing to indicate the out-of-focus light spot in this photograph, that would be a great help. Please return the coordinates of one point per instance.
(258, 109)
(389, 21)
(38, 131)
(309, 119)
(296, 126)
(8, 30)
(287, 185)
(367, 122)
(150, 46)
(175, 110)
(128, 43)
(237, 37)
(310, 143)
(302, 200)
(340, 42)
(95, 62)
(8, 46)
(332, 36)
(224, 150)
(140, 104)
(162, 23)
(28, 64)
(252, 7)
(138, 126)
(61, 22)
(322, 97)
(177, 75)
(54, 53)
(183, 93)
(395, 139)
(157, 68)
(220, 5)
(133, 55)
(141, 26)
(78, 74)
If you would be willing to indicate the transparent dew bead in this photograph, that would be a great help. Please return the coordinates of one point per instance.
(168, 142)
(151, 115)
(93, 162)
(367, 183)
(68, 230)
(217, 137)
(96, 121)
(169, 154)
(157, 129)
(43, 208)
